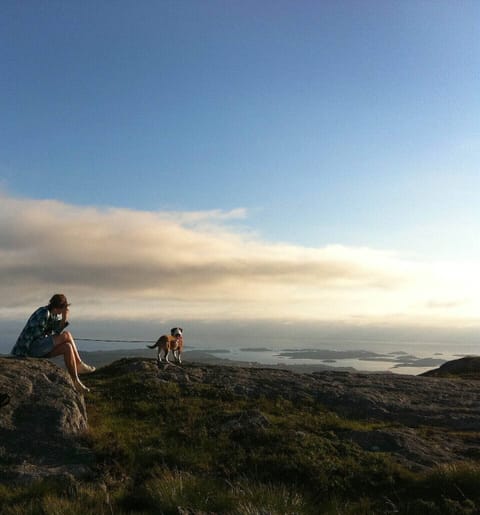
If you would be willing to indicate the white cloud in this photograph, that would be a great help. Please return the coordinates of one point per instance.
(137, 264)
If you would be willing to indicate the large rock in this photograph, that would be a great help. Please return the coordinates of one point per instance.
(42, 426)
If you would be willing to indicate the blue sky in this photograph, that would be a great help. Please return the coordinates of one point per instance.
(294, 126)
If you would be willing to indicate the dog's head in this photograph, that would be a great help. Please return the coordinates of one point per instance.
(177, 332)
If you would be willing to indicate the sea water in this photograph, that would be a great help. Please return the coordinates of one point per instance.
(405, 358)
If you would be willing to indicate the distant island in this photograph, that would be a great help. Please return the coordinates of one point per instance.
(398, 359)
(256, 349)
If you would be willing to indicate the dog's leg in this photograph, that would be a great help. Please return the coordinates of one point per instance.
(167, 352)
(177, 355)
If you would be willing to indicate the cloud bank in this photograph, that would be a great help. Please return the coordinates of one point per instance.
(121, 263)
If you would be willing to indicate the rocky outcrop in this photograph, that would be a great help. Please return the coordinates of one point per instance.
(423, 421)
(467, 367)
(42, 423)
(410, 400)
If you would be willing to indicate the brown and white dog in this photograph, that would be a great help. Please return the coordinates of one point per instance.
(167, 343)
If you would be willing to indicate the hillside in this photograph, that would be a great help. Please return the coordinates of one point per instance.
(220, 439)
(466, 368)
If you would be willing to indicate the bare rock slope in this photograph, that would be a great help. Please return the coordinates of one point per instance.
(41, 422)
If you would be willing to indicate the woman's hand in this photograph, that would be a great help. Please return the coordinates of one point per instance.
(65, 312)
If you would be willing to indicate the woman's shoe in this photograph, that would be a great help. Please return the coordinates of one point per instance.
(83, 368)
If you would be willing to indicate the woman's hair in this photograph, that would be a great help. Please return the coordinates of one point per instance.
(58, 301)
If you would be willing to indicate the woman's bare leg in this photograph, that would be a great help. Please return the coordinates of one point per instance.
(67, 337)
(82, 368)
(65, 349)
(65, 346)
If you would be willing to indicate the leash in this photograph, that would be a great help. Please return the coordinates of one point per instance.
(112, 341)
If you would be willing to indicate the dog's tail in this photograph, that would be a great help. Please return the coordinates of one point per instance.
(152, 346)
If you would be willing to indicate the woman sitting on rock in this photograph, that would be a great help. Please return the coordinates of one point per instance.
(44, 337)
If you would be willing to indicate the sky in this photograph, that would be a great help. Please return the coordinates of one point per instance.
(242, 160)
